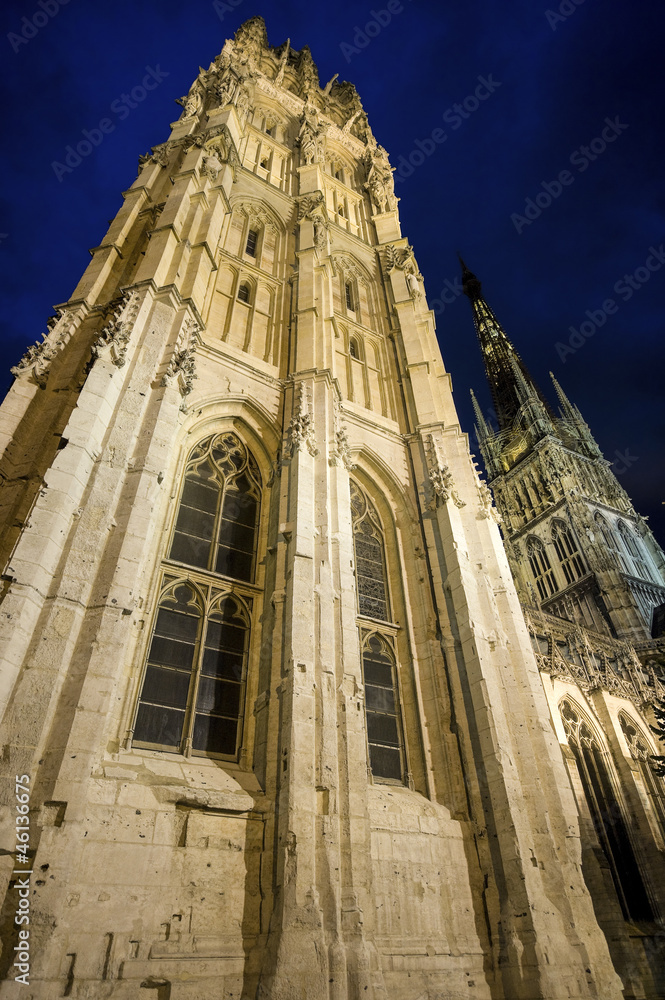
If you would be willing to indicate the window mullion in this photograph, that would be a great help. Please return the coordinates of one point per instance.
(212, 556)
(190, 712)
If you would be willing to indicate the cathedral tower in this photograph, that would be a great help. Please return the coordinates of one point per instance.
(266, 676)
(576, 545)
(589, 575)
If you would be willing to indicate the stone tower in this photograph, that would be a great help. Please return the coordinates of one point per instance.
(267, 690)
(576, 545)
(589, 574)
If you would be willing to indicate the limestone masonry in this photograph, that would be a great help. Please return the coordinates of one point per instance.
(278, 722)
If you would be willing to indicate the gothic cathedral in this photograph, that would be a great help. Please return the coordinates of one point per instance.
(283, 716)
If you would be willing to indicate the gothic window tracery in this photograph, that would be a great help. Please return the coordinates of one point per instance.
(370, 556)
(610, 540)
(385, 739)
(606, 812)
(541, 568)
(634, 549)
(641, 751)
(218, 511)
(193, 689)
(570, 559)
(382, 709)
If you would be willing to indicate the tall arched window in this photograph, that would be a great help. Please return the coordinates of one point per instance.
(634, 549)
(193, 689)
(641, 751)
(370, 557)
(541, 568)
(571, 561)
(606, 813)
(385, 743)
(610, 539)
(385, 740)
(219, 508)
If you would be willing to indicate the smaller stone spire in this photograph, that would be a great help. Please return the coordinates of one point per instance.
(482, 430)
(567, 408)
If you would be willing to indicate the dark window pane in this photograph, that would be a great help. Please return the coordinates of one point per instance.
(192, 551)
(382, 729)
(218, 697)
(200, 495)
(237, 565)
(239, 505)
(220, 663)
(224, 635)
(385, 762)
(215, 735)
(166, 687)
(379, 699)
(377, 673)
(198, 523)
(159, 725)
(171, 653)
(252, 237)
(238, 536)
(176, 625)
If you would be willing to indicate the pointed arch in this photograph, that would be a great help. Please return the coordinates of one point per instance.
(541, 567)
(600, 788)
(642, 750)
(193, 686)
(565, 545)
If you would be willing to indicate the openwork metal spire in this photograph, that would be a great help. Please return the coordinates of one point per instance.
(510, 382)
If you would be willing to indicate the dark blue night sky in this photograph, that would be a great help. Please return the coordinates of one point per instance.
(547, 176)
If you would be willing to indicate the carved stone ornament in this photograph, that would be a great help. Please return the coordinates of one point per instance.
(181, 369)
(158, 154)
(224, 91)
(312, 136)
(340, 453)
(380, 184)
(313, 208)
(256, 214)
(441, 479)
(283, 64)
(212, 163)
(36, 362)
(487, 508)
(113, 341)
(402, 259)
(192, 102)
(343, 264)
(242, 102)
(301, 429)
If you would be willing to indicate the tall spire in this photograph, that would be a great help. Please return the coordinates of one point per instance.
(508, 377)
